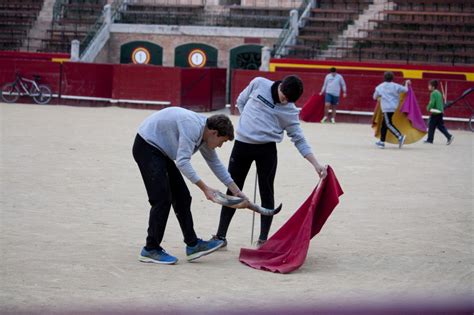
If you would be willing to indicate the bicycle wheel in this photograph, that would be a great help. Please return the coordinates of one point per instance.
(44, 95)
(10, 93)
(471, 123)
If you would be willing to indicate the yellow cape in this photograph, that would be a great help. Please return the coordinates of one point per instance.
(401, 122)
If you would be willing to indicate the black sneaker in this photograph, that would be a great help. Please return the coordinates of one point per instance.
(260, 243)
(450, 140)
(219, 238)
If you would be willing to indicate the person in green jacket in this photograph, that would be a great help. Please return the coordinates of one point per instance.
(436, 108)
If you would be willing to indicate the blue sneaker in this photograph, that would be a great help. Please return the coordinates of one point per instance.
(202, 248)
(380, 144)
(157, 256)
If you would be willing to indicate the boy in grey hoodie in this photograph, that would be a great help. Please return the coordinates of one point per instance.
(163, 148)
(267, 110)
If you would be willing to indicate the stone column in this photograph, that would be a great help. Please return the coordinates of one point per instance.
(294, 22)
(75, 50)
(266, 55)
(108, 14)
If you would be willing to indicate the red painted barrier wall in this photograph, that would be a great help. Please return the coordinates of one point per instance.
(47, 70)
(218, 88)
(196, 88)
(203, 89)
(102, 84)
(32, 55)
(143, 82)
(340, 71)
(460, 72)
(360, 89)
(87, 79)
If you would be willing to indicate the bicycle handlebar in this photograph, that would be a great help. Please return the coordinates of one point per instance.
(463, 95)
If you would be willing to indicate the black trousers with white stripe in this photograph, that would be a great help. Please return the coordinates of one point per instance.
(388, 125)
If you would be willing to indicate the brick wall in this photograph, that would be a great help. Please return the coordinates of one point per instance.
(169, 42)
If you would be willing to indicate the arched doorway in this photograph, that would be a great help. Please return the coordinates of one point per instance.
(246, 57)
(195, 55)
(141, 52)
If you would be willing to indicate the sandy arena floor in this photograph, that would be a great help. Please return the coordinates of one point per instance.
(74, 214)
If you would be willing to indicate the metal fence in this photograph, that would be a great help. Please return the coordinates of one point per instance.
(205, 19)
(286, 32)
(168, 2)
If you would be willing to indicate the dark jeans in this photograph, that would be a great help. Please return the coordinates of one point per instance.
(165, 186)
(242, 156)
(436, 121)
(388, 125)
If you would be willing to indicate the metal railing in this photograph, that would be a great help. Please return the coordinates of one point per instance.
(228, 19)
(306, 52)
(279, 46)
(168, 2)
(58, 9)
(272, 3)
(287, 31)
(100, 24)
(401, 51)
(286, 4)
(95, 29)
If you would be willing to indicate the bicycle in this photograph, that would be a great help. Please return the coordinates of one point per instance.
(466, 104)
(40, 93)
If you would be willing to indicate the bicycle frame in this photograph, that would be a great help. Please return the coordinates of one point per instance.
(11, 91)
(33, 90)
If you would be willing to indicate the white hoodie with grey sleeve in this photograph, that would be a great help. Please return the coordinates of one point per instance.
(389, 93)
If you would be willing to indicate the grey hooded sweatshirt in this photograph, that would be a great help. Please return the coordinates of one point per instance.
(264, 121)
(178, 132)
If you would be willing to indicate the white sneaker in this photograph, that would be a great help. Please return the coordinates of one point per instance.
(401, 141)
(324, 119)
(333, 121)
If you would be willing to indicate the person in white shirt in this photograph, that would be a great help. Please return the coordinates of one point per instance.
(333, 83)
(389, 94)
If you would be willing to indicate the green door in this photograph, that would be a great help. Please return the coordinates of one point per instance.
(141, 52)
(247, 57)
(195, 55)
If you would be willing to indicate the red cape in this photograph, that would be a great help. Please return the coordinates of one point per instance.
(313, 109)
(286, 250)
